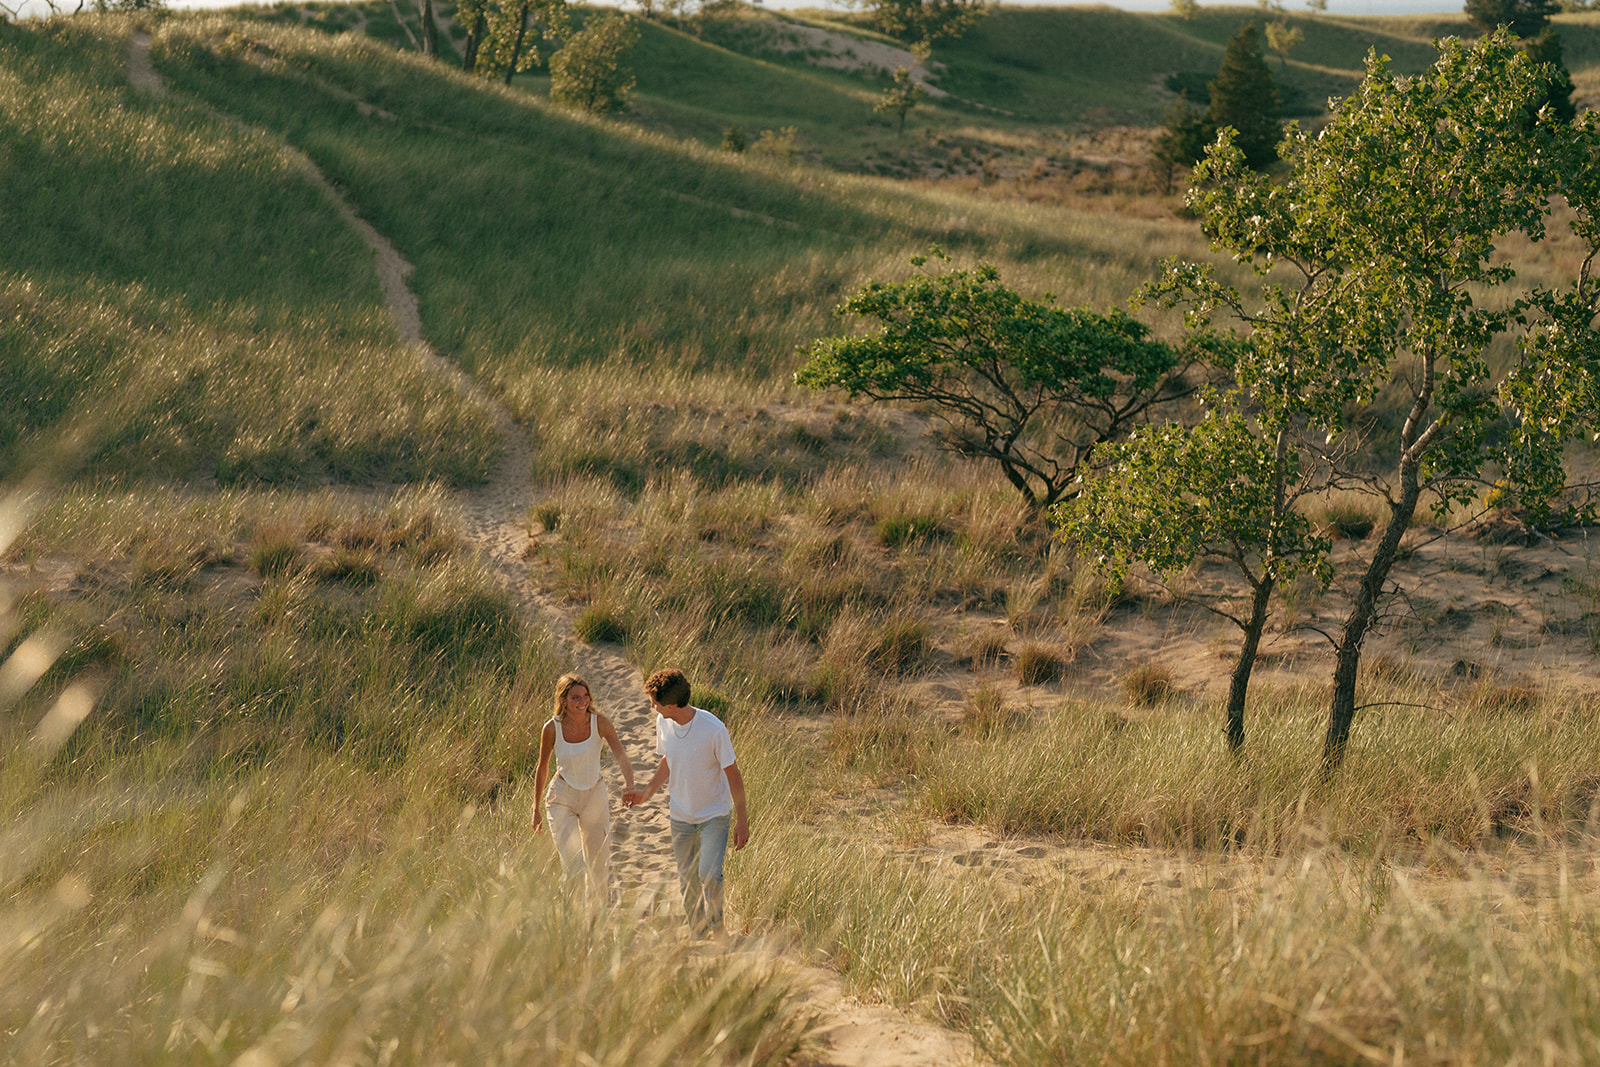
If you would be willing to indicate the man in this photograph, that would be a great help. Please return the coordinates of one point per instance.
(705, 799)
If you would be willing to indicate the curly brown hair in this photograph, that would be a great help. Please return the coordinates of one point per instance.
(668, 686)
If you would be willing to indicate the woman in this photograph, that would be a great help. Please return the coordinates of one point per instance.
(580, 808)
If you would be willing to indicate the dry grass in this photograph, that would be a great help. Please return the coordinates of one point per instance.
(1148, 684)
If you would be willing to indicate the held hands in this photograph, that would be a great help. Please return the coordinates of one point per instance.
(633, 795)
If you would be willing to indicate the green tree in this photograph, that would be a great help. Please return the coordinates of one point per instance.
(512, 29)
(1383, 233)
(1556, 83)
(926, 21)
(1525, 18)
(1530, 20)
(1185, 9)
(1023, 383)
(1244, 96)
(473, 16)
(591, 71)
(899, 98)
(1225, 489)
(1283, 38)
(1181, 141)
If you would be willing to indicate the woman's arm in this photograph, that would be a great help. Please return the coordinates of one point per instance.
(547, 742)
(657, 780)
(609, 732)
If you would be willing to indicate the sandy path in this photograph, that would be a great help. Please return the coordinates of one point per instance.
(496, 520)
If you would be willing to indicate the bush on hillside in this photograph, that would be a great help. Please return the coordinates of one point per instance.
(591, 72)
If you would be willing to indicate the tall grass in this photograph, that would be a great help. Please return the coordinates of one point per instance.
(244, 868)
(1302, 953)
(312, 910)
(789, 593)
(206, 650)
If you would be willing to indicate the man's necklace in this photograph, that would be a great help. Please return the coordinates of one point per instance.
(681, 732)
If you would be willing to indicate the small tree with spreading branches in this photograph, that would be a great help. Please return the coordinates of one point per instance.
(901, 97)
(503, 38)
(926, 21)
(1023, 383)
(1225, 489)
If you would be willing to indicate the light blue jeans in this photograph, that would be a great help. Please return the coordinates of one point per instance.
(699, 848)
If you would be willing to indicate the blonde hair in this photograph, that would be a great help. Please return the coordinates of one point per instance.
(566, 684)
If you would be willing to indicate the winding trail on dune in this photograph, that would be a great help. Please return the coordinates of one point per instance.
(495, 519)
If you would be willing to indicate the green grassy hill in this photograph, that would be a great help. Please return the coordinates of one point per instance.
(1026, 88)
(1055, 66)
(170, 278)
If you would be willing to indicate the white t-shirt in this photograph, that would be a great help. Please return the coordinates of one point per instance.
(696, 755)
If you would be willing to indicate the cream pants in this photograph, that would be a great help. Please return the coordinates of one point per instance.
(580, 824)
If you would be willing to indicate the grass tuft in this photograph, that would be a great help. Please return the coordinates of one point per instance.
(601, 624)
(1037, 664)
(1148, 684)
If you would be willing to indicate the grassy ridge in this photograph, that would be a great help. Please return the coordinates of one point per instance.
(1017, 70)
(176, 283)
(536, 235)
(546, 242)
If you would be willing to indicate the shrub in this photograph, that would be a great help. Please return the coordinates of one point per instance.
(358, 568)
(591, 70)
(896, 531)
(601, 624)
(988, 647)
(1148, 684)
(985, 711)
(548, 515)
(886, 737)
(902, 644)
(1037, 664)
(455, 619)
(276, 550)
(1352, 518)
(780, 145)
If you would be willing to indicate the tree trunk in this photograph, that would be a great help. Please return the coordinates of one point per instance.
(516, 49)
(474, 41)
(1342, 711)
(430, 30)
(1239, 685)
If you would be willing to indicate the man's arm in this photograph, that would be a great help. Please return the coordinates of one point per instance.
(741, 822)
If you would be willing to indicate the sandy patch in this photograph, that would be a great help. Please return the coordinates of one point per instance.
(838, 51)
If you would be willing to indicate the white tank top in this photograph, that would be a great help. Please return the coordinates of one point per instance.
(579, 763)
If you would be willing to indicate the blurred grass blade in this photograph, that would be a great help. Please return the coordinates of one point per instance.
(27, 664)
(64, 717)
